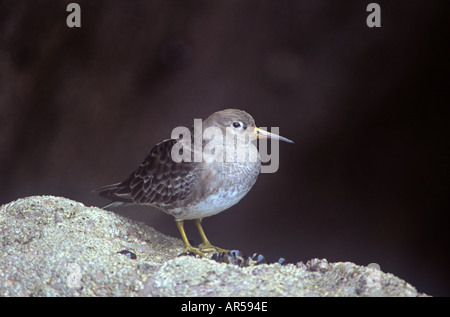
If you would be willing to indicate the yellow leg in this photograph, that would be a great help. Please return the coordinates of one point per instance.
(206, 246)
(188, 247)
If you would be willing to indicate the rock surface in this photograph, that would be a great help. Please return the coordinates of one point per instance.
(53, 246)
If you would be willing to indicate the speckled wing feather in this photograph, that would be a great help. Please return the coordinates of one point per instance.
(158, 181)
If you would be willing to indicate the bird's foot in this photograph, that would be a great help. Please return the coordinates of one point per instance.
(209, 248)
(190, 250)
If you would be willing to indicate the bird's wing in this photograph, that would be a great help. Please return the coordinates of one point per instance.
(157, 181)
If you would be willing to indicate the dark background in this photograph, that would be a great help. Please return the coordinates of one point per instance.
(367, 179)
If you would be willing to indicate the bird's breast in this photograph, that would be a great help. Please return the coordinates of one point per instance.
(223, 185)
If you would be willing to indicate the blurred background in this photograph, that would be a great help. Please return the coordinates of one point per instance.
(367, 178)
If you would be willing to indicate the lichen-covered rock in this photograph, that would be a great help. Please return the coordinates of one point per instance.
(52, 246)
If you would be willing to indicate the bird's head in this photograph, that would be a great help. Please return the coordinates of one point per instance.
(240, 123)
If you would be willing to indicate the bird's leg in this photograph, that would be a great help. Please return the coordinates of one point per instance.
(188, 247)
(206, 246)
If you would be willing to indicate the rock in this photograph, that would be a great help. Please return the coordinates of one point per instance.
(52, 246)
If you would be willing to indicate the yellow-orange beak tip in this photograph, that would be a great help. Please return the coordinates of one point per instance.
(268, 135)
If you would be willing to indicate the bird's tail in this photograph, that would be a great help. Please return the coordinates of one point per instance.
(109, 192)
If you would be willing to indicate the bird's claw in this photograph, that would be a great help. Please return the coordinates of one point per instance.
(191, 251)
(209, 248)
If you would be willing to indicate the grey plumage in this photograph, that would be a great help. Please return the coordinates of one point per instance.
(190, 189)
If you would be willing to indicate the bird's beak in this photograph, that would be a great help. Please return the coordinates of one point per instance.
(261, 134)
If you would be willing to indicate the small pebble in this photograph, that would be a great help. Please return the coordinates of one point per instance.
(259, 258)
(235, 253)
(281, 261)
(216, 257)
(128, 254)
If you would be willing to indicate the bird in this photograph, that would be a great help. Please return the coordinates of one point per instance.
(198, 174)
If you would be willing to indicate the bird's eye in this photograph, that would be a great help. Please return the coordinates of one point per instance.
(237, 124)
